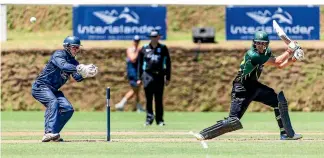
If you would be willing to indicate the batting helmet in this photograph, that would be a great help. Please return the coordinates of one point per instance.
(71, 41)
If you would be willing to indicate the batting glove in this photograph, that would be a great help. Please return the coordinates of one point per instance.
(299, 54)
(293, 46)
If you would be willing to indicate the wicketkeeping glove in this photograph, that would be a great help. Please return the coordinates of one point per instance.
(82, 70)
(92, 70)
(87, 70)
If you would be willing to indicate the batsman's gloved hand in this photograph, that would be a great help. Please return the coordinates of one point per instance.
(293, 46)
(299, 54)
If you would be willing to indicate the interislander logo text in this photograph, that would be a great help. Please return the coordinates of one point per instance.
(125, 22)
(264, 19)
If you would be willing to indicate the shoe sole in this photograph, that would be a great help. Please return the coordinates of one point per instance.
(58, 140)
(291, 138)
(288, 138)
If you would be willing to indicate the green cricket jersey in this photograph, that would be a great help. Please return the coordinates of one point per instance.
(252, 64)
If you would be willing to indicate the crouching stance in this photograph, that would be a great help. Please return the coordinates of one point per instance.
(45, 88)
(246, 89)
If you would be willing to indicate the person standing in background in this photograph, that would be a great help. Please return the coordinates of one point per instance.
(131, 61)
(154, 69)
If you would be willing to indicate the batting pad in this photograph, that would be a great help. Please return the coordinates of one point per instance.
(221, 127)
(283, 109)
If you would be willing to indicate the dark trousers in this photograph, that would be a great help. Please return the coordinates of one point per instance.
(58, 109)
(244, 94)
(153, 87)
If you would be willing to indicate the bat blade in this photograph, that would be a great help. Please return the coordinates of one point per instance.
(280, 32)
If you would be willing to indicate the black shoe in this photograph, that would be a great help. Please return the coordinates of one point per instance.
(149, 119)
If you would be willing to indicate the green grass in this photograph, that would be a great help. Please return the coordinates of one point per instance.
(59, 35)
(54, 39)
(231, 145)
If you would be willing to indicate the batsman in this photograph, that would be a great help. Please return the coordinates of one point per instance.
(247, 88)
(56, 73)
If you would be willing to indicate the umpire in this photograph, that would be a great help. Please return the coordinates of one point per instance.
(154, 69)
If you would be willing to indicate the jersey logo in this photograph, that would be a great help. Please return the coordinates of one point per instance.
(158, 50)
(153, 57)
(147, 49)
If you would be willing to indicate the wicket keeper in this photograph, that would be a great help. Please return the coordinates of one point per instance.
(247, 88)
(45, 88)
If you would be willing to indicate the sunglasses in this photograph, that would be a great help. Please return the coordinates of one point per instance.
(75, 47)
(261, 43)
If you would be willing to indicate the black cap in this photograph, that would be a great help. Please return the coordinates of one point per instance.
(154, 33)
(136, 38)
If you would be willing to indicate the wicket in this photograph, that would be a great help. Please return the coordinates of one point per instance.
(108, 113)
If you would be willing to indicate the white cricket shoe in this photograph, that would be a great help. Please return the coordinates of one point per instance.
(161, 124)
(50, 136)
(295, 137)
(198, 136)
(119, 106)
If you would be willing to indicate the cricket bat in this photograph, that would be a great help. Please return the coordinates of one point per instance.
(280, 32)
(285, 38)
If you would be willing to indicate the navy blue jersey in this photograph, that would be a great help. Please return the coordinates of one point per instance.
(131, 69)
(58, 70)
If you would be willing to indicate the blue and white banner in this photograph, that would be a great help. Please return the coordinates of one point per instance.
(298, 22)
(118, 22)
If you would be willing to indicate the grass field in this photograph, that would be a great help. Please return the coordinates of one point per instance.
(85, 136)
(54, 39)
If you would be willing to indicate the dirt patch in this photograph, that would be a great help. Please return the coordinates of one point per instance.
(143, 140)
(163, 140)
(39, 133)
